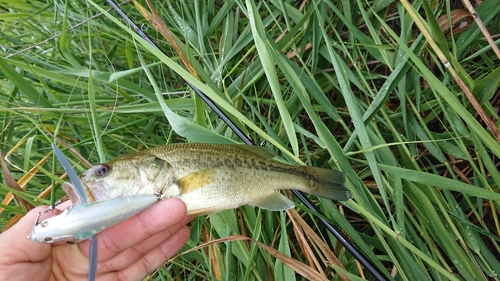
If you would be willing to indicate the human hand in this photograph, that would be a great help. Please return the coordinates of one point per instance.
(126, 251)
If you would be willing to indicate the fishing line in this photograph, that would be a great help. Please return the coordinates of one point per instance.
(333, 229)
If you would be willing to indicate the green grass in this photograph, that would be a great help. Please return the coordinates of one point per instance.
(358, 86)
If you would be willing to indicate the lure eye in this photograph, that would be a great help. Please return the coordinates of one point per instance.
(102, 170)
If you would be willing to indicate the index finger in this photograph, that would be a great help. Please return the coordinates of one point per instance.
(158, 218)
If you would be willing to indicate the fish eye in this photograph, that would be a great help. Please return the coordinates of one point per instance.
(102, 170)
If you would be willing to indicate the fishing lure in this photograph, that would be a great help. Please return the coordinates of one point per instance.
(83, 220)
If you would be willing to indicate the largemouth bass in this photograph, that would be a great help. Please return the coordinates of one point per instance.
(210, 177)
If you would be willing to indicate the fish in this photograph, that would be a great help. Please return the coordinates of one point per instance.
(211, 177)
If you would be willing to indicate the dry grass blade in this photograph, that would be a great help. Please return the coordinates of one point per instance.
(294, 264)
(158, 23)
(482, 27)
(23, 181)
(297, 220)
(11, 182)
(306, 248)
(299, 267)
(292, 54)
(213, 252)
(460, 21)
(12, 221)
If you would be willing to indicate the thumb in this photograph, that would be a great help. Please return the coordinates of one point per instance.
(15, 245)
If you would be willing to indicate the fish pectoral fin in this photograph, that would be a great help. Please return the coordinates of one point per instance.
(196, 180)
(73, 195)
(274, 202)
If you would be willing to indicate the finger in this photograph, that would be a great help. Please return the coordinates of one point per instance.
(138, 251)
(156, 257)
(25, 249)
(138, 228)
(151, 260)
(17, 249)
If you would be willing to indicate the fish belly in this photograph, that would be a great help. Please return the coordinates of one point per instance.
(229, 189)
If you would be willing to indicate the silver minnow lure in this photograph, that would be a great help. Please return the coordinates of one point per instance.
(82, 220)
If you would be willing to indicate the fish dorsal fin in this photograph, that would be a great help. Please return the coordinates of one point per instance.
(274, 202)
(195, 180)
(257, 150)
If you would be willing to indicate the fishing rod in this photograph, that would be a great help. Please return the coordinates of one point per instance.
(333, 229)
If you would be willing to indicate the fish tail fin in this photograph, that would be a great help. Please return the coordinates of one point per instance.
(328, 183)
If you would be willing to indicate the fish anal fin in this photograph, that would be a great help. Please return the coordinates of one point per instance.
(257, 150)
(274, 202)
(195, 180)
